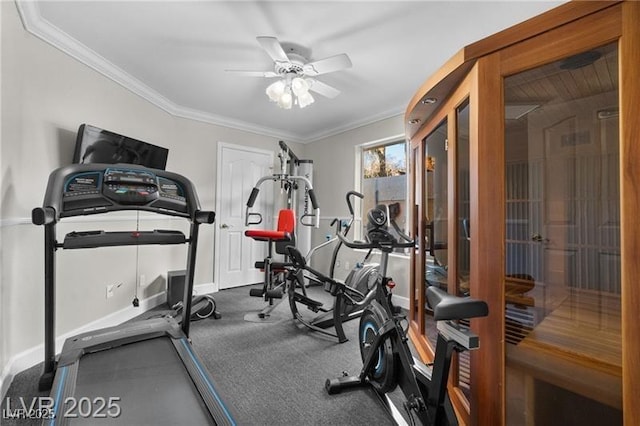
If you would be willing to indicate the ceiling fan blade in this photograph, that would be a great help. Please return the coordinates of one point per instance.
(327, 65)
(323, 88)
(273, 48)
(242, 73)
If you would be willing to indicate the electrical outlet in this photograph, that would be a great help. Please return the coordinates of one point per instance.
(346, 265)
(143, 280)
(110, 290)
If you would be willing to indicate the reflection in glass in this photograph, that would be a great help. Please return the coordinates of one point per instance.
(436, 172)
(463, 199)
(418, 268)
(562, 263)
(463, 231)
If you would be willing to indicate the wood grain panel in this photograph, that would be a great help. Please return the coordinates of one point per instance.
(592, 31)
(544, 22)
(630, 197)
(446, 110)
(540, 86)
(447, 77)
(417, 261)
(487, 168)
(438, 85)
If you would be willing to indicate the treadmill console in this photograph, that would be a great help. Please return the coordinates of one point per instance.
(135, 187)
(121, 188)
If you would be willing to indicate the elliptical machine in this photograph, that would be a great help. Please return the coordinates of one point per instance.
(387, 359)
(350, 296)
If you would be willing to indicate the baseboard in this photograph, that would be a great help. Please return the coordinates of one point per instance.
(33, 356)
(205, 289)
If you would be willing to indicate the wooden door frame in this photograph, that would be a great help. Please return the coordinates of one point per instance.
(447, 111)
(629, 51)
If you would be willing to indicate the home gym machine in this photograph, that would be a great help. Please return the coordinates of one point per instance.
(387, 359)
(289, 179)
(146, 371)
(300, 201)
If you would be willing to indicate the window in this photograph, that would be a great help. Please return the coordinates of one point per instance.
(384, 180)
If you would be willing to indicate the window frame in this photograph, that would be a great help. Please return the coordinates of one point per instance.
(359, 181)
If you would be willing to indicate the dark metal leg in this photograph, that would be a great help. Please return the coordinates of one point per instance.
(46, 380)
(440, 375)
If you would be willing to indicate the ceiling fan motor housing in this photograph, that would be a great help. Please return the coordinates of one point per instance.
(295, 64)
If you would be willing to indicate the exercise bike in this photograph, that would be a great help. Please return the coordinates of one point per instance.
(387, 359)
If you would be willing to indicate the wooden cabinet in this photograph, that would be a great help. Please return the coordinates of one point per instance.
(525, 169)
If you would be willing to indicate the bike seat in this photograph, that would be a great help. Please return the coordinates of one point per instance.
(449, 307)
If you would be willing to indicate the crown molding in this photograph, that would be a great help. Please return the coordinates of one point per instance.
(33, 23)
(354, 125)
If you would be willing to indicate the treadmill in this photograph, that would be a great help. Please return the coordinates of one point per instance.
(142, 372)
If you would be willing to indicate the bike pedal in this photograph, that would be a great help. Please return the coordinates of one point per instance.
(256, 292)
(275, 294)
(314, 305)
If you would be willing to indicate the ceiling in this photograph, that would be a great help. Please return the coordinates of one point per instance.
(175, 53)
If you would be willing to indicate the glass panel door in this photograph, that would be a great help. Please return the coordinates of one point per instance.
(463, 199)
(463, 232)
(562, 262)
(435, 220)
(416, 287)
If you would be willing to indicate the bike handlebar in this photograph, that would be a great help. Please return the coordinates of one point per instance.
(349, 194)
(391, 243)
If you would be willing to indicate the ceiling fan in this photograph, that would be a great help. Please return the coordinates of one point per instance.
(296, 74)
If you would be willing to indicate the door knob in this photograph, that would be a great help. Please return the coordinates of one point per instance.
(225, 226)
(538, 238)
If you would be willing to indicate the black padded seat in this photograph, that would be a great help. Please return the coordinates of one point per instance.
(449, 307)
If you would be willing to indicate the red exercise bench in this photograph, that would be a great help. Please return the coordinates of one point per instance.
(284, 236)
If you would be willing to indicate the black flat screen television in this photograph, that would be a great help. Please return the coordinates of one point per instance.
(95, 145)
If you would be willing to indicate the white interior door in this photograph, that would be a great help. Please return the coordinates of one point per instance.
(239, 169)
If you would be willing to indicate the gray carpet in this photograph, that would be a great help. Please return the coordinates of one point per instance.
(268, 373)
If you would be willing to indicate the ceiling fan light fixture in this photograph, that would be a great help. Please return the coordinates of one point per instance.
(286, 92)
(300, 86)
(286, 100)
(305, 99)
(276, 90)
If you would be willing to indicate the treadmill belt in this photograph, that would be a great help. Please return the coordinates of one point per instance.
(150, 380)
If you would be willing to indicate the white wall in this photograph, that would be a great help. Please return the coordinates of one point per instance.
(46, 95)
(334, 162)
